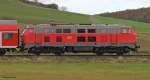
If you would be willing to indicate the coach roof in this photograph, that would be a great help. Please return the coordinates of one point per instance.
(8, 22)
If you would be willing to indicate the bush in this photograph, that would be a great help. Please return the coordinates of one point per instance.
(53, 6)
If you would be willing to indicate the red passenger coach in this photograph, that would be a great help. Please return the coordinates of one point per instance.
(96, 38)
(8, 35)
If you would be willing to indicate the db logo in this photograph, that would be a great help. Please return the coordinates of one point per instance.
(69, 37)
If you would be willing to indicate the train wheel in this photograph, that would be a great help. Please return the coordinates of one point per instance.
(99, 54)
(2, 52)
(58, 53)
(37, 54)
(120, 54)
(34, 51)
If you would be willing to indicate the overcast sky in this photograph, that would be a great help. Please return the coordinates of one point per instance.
(99, 6)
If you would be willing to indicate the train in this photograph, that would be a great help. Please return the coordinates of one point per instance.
(67, 38)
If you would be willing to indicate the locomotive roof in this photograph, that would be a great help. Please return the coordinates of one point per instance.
(79, 26)
(98, 27)
(8, 22)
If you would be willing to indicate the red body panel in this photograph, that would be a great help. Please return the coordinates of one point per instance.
(9, 28)
(71, 38)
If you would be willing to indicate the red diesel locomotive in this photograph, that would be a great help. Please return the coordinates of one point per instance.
(58, 39)
(96, 38)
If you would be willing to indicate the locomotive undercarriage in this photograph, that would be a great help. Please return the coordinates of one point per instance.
(80, 49)
(39, 50)
(111, 50)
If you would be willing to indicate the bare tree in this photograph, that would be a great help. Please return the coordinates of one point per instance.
(36, 1)
(63, 8)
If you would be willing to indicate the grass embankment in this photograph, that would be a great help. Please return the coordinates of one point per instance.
(74, 71)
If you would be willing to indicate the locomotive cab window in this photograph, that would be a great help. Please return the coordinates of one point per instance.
(91, 39)
(8, 35)
(58, 30)
(81, 30)
(81, 39)
(66, 31)
(46, 39)
(91, 30)
(125, 30)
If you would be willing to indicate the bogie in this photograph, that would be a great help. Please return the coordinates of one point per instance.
(2, 52)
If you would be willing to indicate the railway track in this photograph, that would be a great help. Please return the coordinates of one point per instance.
(76, 58)
(74, 55)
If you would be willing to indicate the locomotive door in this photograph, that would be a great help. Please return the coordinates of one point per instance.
(68, 38)
(114, 38)
(38, 35)
(113, 35)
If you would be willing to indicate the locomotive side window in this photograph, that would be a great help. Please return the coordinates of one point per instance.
(104, 30)
(58, 30)
(58, 39)
(66, 31)
(113, 30)
(81, 39)
(91, 39)
(81, 30)
(91, 31)
(46, 39)
(8, 35)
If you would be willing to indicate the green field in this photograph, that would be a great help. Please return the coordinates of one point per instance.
(74, 71)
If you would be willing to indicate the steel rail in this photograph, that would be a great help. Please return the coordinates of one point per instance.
(21, 55)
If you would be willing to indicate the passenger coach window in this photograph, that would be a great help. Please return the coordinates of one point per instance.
(81, 30)
(58, 30)
(91, 31)
(8, 35)
(66, 31)
(58, 39)
(81, 39)
(91, 39)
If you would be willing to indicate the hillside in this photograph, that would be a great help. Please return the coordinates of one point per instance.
(142, 14)
(24, 13)
(28, 14)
